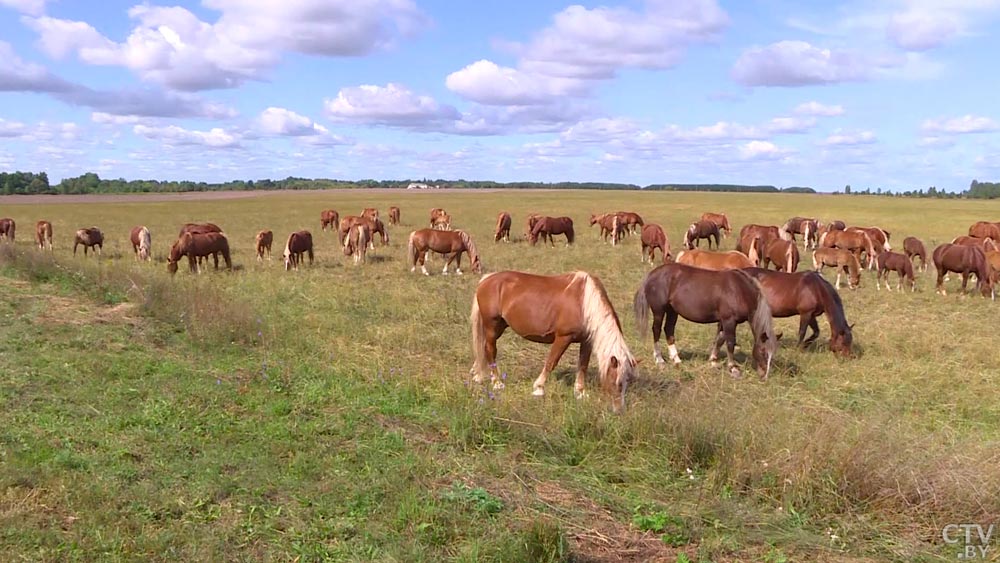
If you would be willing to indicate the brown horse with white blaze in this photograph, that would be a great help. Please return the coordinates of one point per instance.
(653, 237)
(964, 260)
(914, 247)
(298, 245)
(549, 226)
(558, 310)
(43, 235)
(726, 298)
(262, 244)
(888, 261)
(141, 242)
(701, 230)
(196, 245)
(502, 231)
(719, 219)
(450, 243)
(90, 238)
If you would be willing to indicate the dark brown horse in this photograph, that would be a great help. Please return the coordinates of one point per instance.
(549, 226)
(394, 215)
(805, 226)
(912, 246)
(141, 242)
(719, 219)
(262, 244)
(726, 298)
(985, 229)
(329, 218)
(701, 230)
(502, 231)
(89, 238)
(557, 310)
(808, 295)
(195, 245)
(964, 260)
(888, 261)
(299, 244)
(7, 229)
(653, 237)
(450, 243)
(783, 253)
(43, 235)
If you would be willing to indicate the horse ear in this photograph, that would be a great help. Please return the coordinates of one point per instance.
(614, 362)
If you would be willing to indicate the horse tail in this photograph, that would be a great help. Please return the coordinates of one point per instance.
(411, 249)
(885, 236)
(479, 366)
(640, 305)
(783, 232)
(753, 253)
(789, 258)
(470, 246)
(807, 234)
(615, 225)
(762, 323)
(687, 236)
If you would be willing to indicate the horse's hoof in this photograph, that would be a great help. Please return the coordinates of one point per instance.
(713, 363)
(659, 361)
(677, 361)
(459, 272)
(580, 394)
(538, 392)
(735, 372)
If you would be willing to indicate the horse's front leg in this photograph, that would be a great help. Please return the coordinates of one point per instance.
(559, 346)
(579, 389)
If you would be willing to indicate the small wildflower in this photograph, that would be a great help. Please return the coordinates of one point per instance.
(218, 382)
(503, 376)
(480, 400)
(259, 334)
(492, 396)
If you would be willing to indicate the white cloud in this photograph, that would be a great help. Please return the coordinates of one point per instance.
(174, 135)
(918, 31)
(392, 104)
(817, 109)
(10, 129)
(762, 150)
(797, 63)
(111, 119)
(601, 130)
(487, 83)
(960, 125)
(842, 138)
(32, 7)
(281, 121)
(784, 125)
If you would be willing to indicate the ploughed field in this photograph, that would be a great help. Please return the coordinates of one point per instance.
(327, 414)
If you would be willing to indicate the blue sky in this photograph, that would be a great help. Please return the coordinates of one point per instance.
(898, 94)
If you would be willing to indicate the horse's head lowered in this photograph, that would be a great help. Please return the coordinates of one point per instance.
(764, 347)
(840, 342)
(621, 372)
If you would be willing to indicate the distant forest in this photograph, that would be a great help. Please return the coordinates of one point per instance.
(90, 183)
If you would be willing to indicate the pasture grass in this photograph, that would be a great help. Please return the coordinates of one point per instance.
(327, 414)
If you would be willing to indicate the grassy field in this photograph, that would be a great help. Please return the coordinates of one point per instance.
(327, 414)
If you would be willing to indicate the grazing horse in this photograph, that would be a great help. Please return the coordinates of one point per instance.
(262, 244)
(329, 218)
(141, 242)
(376, 226)
(43, 235)
(356, 242)
(632, 221)
(765, 234)
(441, 222)
(199, 228)
(394, 215)
(727, 298)
(751, 245)
(618, 229)
(530, 223)
(298, 245)
(855, 242)
(502, 232)
(984, 243)
(912, 246)
(370, 213)
(606, 223)
(879, 236)
(993, 264)
(985, 229)
(7, 228)
(823, 228)
(719, 219)
(450, 243)
(195, 245)
(548, 226)
(844, 261)
(436, 215)
(805, 226)
(808, 295)
(963, 260)
(653, 237)
(888, 261)
(784, 254)
(557, 310)
(89, 238)
(708, 260)
(701, 230)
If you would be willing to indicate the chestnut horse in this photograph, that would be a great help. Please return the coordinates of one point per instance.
(141, 242)
(653, 237)
(854, 241)
(548, 226)
(90, 237)
(701, 230)
(262, 244)
(370, 213)
(888, 261)
(374, 226)
(502, 232)
(43, 235)
(298, 245)
(984, 243)
(606, 223)
(632, 221)
(439, 218)
(558, 310)
(356, 242)
(727, 298)
(195, 245)
(765, 234)
(985, 229)
(879, 236)
(394, 215)
(844, 261)
(199, 228)
(7, 229)
(728, 260)
(450, 243)
(912, 246)
(993, 263)
(784, 254)
(808, 295)
(823, 228)
(329, 218)
(963, 260)
(805, 226)
(719, 219)
(751, 245)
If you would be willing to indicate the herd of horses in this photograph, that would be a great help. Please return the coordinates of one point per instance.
(724, 288)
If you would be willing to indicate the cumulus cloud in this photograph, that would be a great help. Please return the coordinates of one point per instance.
(9, 129)
(281, 121)
(32, 7)
(817, 109)
(797, 63)
(392, 104)
(784, 125)
(762, 150)
(488, 83)
(846, 138)
(960, 125)
(174, 135)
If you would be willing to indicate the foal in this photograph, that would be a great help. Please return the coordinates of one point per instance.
(893, 261)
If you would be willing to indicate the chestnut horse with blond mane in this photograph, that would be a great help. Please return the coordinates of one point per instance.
(701, 230)
(297, 246)
(764, 234)
(708, 260)
(854, 241)
(43, 235)
(450, 243)
(805, 226)
(844, 261)
(141, 243)
(558, 310)
(630, 220)
(195, 245)
(502, 231)
(888, 261)
(262, 244)
(653, 237)
(356, 242)
(7, 229)
(89, 238)
(985, 229)
(394, 215)
(719, 219)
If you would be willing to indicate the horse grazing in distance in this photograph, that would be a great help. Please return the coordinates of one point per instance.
(727, 298)
(141, 242)
(808, 295)
(199, 228)
(370, 213)
(618, 229)
(356, 242)
(844, 261)
(653, 237)
(719, 219)
(7, 229)
(262, 244)
(450, 243)
(548, 226)
(329, 218)
(964, 260)
(985, 243)
(558, 310)
(43, 235)
(879, 236)
(805, 226)
(195, 245)
(985, 229)
(888, 261)
(502, 231)
(630, 220)
(89, 238)
(823, 228)
(708, 260)
(701, 230)
(298, 245)
(439, 218)
(783, 253)
(764, 234)
(393, 215)
(855, 242)
(606, 223)
(351, 221)
(913, 247)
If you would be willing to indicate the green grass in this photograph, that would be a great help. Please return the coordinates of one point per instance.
(327, 414)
